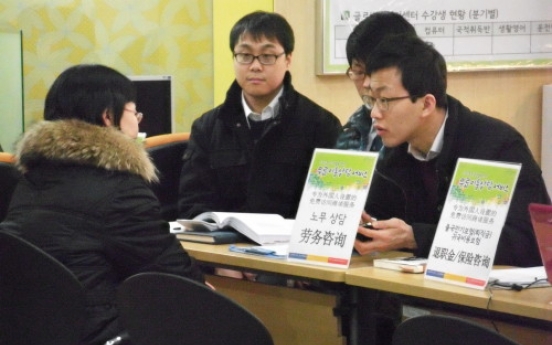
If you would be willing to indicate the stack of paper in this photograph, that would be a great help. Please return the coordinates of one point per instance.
(525, 277)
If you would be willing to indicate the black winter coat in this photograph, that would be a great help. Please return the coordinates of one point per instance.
(398, 191)
(85, 200)
(224, 170)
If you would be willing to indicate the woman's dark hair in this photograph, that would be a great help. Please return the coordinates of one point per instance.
(84, 92)
(273, 26)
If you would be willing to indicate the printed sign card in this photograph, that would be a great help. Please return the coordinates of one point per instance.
(471, 222)
(330, 208)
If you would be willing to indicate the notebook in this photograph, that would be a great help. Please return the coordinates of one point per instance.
(541, 217)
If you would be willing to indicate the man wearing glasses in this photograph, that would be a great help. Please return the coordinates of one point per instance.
(252, 153)
(358, 133)
(424, 132)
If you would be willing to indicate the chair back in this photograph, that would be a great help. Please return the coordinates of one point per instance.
(166, 151)
(446, 330)
(41, 301)
(9, 176)
(159, 308)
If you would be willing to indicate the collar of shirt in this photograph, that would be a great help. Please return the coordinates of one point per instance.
(435, 148)
(268, 112)
(371, 136)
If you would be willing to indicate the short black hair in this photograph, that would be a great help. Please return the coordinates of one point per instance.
(371, 30)
(273, 26)
(85, 91)
(423, 69)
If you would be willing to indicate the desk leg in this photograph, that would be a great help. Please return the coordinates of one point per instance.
(352, 339)
(363, 321)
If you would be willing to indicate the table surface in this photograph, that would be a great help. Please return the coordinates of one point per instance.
(534, 303)
(221, 255)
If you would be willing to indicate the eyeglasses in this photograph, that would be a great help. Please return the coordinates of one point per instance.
(382, 102)
(264, 59)
(139, 115)
(355, 76)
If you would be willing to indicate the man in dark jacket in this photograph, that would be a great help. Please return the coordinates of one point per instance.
(424, 132)
(252, 153)
(358, 133)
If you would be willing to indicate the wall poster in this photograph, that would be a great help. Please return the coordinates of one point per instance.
(470, 34)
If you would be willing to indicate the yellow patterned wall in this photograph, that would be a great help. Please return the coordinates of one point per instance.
(149, 37)
(225, 15)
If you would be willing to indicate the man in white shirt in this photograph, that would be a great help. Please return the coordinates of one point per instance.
(252, 153)
(424, 132)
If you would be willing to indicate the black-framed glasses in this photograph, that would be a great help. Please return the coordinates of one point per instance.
(139, 115)
(383, 102)
(264, 59)
(354, 75)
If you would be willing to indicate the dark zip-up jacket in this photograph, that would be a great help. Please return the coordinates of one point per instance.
(85, 199)
(356, 131)
(225, 170)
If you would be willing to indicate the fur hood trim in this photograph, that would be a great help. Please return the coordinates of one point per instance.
(78, 142)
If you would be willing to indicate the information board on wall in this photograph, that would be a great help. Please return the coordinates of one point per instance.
(470, 34)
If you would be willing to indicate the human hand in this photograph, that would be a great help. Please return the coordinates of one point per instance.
(365, 222)
(386, 235)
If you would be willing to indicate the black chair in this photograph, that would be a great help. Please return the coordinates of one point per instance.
(165, 309)
(446, 330)
(41, 301)
(9, 176)
(166, 151)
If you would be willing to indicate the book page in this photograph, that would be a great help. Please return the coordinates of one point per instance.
(262, 228)
(176, 227)
(206, 221)
(197, 225)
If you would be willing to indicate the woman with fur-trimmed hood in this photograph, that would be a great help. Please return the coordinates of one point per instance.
(84, 197)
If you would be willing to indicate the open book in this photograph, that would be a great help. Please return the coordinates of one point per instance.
(261, 228)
